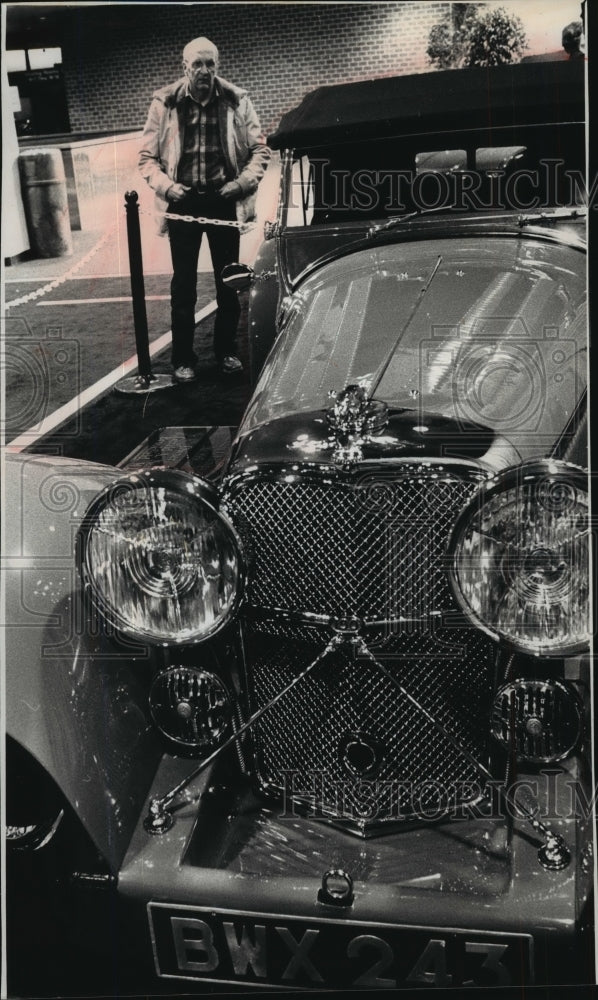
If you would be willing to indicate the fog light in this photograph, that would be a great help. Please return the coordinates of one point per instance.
(191, 707)
(540, 721)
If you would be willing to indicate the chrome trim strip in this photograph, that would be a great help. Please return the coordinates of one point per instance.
(259, 613)
(262, 613)
(335, 476)
(580, 413)
(33, 838)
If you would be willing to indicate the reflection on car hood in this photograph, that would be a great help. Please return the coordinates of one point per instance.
(488, 330)
(308, 437)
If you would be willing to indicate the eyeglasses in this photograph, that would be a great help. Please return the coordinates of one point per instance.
(197, 64)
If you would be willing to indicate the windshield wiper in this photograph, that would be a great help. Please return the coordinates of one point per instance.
(537, 218)
(531, 219)
(398, 220)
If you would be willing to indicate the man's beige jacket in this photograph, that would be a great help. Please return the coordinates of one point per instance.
(243, 144)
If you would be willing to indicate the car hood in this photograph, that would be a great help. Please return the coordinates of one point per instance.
(487, 329)
(309, 437)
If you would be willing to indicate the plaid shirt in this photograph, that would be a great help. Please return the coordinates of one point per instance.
(202, 162)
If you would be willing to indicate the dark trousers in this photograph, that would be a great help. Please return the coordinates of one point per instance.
(185, 241)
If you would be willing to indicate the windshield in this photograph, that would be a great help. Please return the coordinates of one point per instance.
(487, 330)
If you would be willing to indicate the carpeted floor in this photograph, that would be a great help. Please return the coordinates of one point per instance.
(108, 429)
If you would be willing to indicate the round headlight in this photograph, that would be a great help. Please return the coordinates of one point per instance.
(161, 560)
(520, 558)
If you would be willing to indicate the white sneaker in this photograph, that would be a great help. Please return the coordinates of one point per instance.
(184, 374)
(231, 364)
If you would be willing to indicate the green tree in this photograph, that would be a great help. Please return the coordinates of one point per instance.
(449, 39)
(468, 35)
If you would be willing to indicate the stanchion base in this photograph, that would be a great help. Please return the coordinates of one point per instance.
(138, 384)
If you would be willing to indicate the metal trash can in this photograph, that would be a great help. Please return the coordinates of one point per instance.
(43, 186)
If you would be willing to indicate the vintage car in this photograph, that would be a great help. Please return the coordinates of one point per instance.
(313, 711)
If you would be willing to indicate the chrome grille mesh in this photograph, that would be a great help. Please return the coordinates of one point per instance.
(305, 730)
(373, 552)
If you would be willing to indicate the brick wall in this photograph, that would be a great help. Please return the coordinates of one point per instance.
(115, 56)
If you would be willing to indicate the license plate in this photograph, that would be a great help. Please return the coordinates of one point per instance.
(258, 949)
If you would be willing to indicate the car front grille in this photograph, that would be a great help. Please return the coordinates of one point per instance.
(369, 547)
(370, 551)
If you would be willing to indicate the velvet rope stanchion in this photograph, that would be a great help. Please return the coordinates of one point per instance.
(145, 380)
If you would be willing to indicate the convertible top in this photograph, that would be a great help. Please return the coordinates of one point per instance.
(452, 100)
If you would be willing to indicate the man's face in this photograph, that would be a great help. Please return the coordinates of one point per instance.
(200, 69)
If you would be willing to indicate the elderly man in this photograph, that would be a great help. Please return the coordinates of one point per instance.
(204, 155)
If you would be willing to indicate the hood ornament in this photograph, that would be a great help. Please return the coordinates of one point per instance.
(353, 419)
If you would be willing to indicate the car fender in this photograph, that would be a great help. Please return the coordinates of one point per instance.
(76, 697)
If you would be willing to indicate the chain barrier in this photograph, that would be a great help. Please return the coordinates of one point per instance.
(243, 227)
(56, 282)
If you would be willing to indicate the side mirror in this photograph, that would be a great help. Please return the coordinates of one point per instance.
(237, 276)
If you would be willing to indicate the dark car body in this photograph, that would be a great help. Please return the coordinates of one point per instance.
(321, 718)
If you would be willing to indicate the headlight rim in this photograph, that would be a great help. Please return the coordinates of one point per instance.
(551, 469)
(172, 479)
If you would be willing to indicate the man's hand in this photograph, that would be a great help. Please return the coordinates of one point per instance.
(231, 190)
(176, 192)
